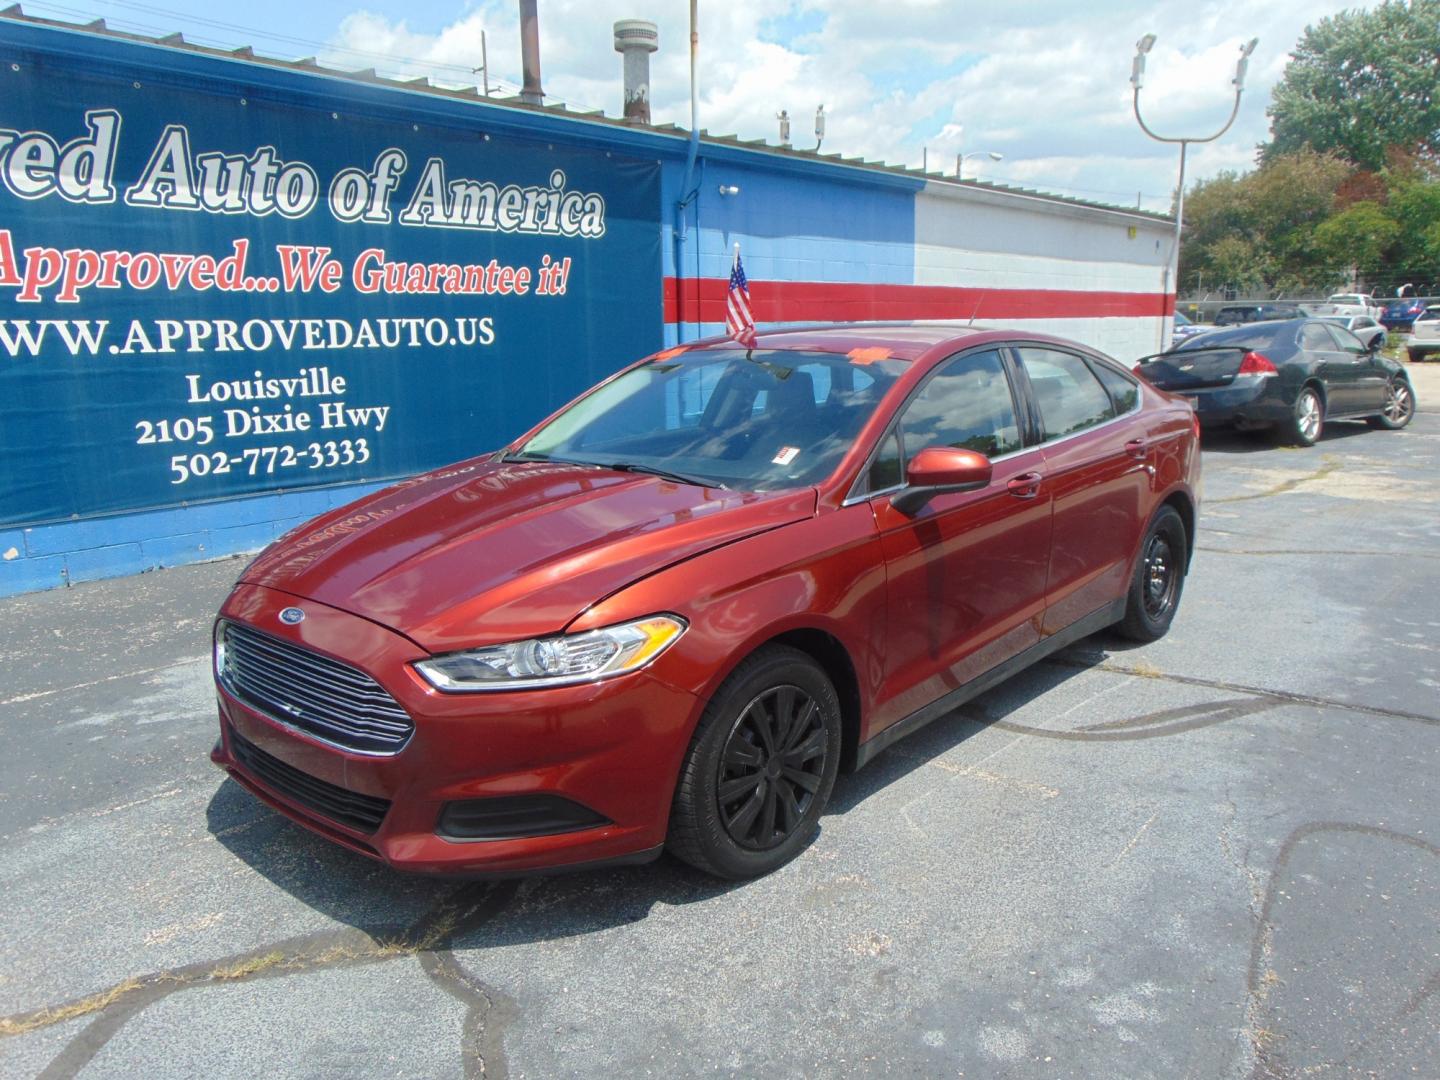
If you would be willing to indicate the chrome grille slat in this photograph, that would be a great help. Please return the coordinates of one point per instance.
(332, 701)
(278, 675)
(320, 665)
(278, 697)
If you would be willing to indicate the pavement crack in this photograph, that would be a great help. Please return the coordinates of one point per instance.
(1261, 977)
(1328, 465)
(429, 938)
(1098, 663)
(1323, 553)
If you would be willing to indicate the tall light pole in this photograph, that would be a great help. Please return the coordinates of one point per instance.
(1137, 80)
(960, 159)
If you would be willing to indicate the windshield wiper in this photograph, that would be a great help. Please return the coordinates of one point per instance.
(523, 456)
(667, 474)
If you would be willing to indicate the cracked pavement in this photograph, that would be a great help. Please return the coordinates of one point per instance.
(1213, 856)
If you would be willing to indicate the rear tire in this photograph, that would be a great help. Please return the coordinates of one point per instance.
(1158, 580)
(1415, 355)
(1399, 406)
(760, 767)
(1307, 419)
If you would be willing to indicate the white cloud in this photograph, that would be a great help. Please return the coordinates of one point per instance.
(1043, 82)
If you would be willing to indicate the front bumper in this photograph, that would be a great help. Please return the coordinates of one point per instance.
(612, 748)
(1249, 401)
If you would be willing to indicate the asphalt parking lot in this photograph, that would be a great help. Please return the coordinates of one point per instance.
(1213, 856)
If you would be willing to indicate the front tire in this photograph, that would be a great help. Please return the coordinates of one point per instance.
(1158, 580)
(760, 768)
(1307, 420)
(1415, 355)
(1399, 406)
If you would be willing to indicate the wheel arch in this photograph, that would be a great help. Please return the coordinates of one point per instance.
(834, 659)
(1185, 507)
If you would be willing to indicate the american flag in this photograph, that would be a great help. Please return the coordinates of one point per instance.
(739, 323)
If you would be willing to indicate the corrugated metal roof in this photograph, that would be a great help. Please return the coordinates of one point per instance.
(248, 54)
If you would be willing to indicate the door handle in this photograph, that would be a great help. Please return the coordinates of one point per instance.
(1025, 486)
(1136, 448)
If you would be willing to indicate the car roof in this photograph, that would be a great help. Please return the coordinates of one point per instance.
(901, 340)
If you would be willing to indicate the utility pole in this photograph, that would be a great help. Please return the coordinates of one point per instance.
(1137, 80)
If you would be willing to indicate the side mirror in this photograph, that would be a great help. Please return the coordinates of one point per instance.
(1373, 345)
(937, 470)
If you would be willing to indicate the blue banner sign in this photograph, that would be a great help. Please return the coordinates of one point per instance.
(213, 284)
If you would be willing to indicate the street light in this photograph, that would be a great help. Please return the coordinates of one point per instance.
(1137, 80)
(960, 159)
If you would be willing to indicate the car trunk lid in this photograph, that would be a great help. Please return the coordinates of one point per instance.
(1193, 369)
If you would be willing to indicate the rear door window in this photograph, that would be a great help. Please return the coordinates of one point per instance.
(1123, 391)
(1314, 337)
(1068, 394)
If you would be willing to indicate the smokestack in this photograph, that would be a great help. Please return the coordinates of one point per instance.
(636, 39)
(530, 93)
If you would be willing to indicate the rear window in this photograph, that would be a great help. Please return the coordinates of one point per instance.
(1430, 314)
(1253, 336)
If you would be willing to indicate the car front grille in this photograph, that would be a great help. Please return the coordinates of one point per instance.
(363, 813)
(334, 702)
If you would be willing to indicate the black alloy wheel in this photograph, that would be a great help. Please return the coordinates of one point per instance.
(760, 767)
(1158, 578)
(1161, 577)
(771, 767)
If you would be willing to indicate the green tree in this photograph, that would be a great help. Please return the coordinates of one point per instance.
(1414, 204)
(1236, 260)
(1361, 82)
(1258, 229)
(1356, 238)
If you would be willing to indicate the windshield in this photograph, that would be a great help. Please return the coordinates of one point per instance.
(731, 417)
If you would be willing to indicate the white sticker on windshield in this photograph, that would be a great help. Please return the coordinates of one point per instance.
(786, 455)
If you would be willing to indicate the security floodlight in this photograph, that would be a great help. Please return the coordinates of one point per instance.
(1137, 69)
(729, 189)
(960, 159)
(1244, 62)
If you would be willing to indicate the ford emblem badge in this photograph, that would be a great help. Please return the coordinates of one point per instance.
(292, 615)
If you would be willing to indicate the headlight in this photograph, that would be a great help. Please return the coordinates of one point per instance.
(556, 661)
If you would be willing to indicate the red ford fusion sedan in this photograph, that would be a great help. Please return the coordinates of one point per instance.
(673, 612)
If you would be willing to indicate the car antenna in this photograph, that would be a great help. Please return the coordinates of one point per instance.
(976, 312)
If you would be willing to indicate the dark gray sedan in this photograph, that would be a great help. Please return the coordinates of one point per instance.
(1289, 376)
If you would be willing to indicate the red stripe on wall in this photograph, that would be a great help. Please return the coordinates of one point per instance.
(818, 301)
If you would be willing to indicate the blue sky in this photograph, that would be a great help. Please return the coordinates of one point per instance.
(1044, 83)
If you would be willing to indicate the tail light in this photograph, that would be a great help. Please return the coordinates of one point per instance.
(1254, 363)
(1195, 426)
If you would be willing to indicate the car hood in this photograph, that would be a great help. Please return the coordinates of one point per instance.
(485, 552)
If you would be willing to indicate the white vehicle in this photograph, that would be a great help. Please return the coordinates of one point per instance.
(1370, 332)
(1425, 335)
(1347, 304)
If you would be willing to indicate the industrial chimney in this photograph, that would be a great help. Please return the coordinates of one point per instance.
(530, 93)
(636, 39)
